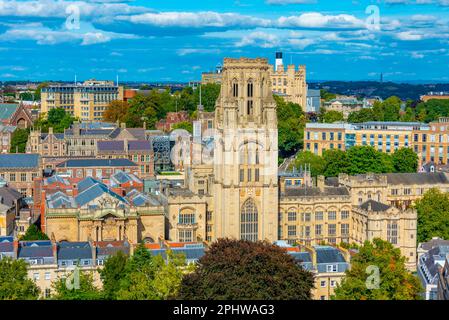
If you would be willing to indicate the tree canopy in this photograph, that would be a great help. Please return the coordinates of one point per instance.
(14, 281)
(19, 140)
(332, 116)
(33, 233)
(245, 270)
(86, 290)
(392, 282)
(57, 118)
(358, 160)
(291, 124)
(116, 111)
(433, 215)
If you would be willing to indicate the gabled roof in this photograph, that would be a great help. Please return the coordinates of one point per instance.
(9, 195)
(19, 160)
(6, 129)
(110, 145)
(7, 110)
(86, 183)
(139, 145)
(94, 192)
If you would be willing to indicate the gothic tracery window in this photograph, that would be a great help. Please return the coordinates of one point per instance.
(249, 221)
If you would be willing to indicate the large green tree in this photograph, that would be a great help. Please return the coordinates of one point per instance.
(79, 285)
(19, 140)
(111, 274)
(245, 270)
(405, 160)
(307, 158)
(332, 116)
(392, 281)
(433, 215)
(33, 233)
(291, 123)
(209, 95)
(57, 118)
(151, 278)
(335, 162)
(363, 159)
(14, 281)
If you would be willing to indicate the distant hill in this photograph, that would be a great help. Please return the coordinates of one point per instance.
(382, 89)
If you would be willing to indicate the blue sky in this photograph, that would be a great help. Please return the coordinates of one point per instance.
(175, 40)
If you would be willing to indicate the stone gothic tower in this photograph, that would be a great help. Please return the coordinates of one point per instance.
(245, 190)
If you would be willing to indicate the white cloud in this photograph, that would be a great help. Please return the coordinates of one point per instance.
(417, 55)
(319, 20)
(259, 39)
(301, 43)
(187, 51)
(195, 19)
(409, 36)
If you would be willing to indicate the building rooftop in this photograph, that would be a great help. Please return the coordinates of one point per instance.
(315, 192)
(7, 110)
(82, 163)
(328, 254)
(19, 160)
(74, 250)
(9, 196)
(417, 178)
(374, 206)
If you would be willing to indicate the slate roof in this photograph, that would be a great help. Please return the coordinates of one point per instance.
(315, 192)
(375, 206)
(416, 178)
(301, 256)
(328, 254)
(7, 110)
(139, 145)
(110, 145)
(19, 160)
(35, 249)
(9, 129)
(86, 183)
(9, 196)
(74, 250)
(91, 132)
(94, 192)
(434, 243)
(6, 246)
(81, 163)
(110, 248)
(121, 177)
(190, 253)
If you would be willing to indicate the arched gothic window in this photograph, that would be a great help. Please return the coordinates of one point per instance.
(249, 221)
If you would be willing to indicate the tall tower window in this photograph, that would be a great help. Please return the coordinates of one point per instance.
(250, 107)
(235, 90)
(250, 90)
(249, 221)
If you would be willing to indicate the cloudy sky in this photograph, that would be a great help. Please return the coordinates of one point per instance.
(175, 40)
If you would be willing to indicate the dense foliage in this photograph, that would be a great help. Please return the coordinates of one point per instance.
(33, 233)
(57, 118)
(244, 270)
(19, 140)
(390, 110)
(433, 215)
(331, 116)
(154, 105)
(395, 282)
(358, 160)
(291, 124)
(86, 290)
(14, 281)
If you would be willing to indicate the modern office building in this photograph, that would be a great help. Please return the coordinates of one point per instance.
(86, 101)
(429, 141)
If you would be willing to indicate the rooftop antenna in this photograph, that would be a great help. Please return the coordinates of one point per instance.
(75, 79)
(200, 106)
(117, 80)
